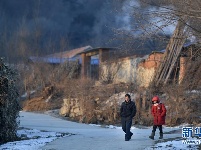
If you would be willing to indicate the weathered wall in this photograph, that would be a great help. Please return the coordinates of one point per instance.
(147, 68)
(144, 76)
(131, 69)
(183, 64)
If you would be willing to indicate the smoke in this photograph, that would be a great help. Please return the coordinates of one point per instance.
(143, 28)
(77, 22)
(136, 18)
(125, 17)
(81, 22)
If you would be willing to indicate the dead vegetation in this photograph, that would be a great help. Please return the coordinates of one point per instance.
(183, 105)
(92, 99)
(182, 100)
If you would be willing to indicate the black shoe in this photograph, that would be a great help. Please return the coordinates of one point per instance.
(126, 138)
(131, 135)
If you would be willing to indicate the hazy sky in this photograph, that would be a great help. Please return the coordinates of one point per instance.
(81, 22)
(47, 26)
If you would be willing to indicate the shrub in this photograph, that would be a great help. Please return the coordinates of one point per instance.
(9, 106)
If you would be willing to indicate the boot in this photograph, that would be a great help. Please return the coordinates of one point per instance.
(126, 139)
(152, 135)
(131, 134)
(161, 135)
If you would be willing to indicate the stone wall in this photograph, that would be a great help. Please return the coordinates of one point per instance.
(105, 110)
(90, 111)
(71, 108)
(93, 110)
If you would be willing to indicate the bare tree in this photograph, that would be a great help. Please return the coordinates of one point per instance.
(150, 20)
(188, 12)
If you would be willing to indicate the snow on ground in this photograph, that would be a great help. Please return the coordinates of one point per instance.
(173, 145)
(38, 138)
(32, 139)
(35, 139)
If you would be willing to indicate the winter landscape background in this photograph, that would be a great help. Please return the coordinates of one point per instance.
(66, 65)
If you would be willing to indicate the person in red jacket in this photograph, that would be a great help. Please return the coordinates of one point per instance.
(158, 111)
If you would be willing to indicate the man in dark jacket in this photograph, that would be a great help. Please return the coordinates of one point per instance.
(127, 112)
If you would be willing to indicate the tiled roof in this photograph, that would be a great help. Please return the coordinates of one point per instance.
(50, 60)
(61, 57)
(71, 53)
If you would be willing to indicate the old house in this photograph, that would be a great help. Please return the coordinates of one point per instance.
(141, 69)
(100, 64)
(89, 59)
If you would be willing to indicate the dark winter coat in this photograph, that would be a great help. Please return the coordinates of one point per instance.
(159, 113)
(128, 109)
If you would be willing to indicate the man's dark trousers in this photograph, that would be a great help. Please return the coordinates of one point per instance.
(126, 126)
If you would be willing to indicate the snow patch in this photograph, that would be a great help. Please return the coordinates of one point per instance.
(33, 139)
